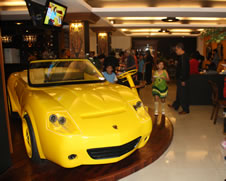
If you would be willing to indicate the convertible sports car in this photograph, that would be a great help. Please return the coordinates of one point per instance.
(72, 116)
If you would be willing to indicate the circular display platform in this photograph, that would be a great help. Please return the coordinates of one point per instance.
(23, 169)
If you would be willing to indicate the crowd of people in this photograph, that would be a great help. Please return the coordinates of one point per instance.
(125, 61)
(211, 65)
(185, 65)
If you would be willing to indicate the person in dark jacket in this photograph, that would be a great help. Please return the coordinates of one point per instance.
(130, 62)
(111, 60)
(149, 65)
(182, 76)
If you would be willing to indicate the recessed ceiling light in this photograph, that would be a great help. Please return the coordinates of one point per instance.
(164, 31)
(112, 21)
(170, 19)
(19, 23)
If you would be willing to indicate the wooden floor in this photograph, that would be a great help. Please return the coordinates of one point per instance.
(24, 169)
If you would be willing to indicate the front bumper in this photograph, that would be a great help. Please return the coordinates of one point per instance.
(86, 150)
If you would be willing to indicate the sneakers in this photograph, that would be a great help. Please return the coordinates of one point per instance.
(156, 113)
(224, 114)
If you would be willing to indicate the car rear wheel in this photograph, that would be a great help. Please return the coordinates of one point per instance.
(29, 139)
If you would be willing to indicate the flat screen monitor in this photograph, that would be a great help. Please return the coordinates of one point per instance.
(36, 11)
(55, 14)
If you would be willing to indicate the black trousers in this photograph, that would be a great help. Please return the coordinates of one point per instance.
(140, 76)
(148, 75)
(182, 97)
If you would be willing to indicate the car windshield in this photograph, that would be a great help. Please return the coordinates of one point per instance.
(51, 72)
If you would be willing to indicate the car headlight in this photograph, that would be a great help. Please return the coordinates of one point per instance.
(62, 122)
(140, 109)
(138, 105)
(53, 118)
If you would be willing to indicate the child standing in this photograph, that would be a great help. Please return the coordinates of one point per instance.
(109, 74)
(141, 67)
(160, 88)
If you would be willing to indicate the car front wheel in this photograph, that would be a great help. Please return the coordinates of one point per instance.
(29, 139)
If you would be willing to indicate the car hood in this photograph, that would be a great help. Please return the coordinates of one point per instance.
(97, 108)
(91, 100)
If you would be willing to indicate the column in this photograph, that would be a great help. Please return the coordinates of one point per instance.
(103, 35)
(79, 32)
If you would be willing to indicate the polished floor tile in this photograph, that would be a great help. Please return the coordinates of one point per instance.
(195, 153)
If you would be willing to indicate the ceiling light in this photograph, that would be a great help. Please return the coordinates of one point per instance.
(141, 18)
(102, 34)
(112, 21)
(144, 30)
(7, 39)
(124, 29)
(19, 23)
(170, 19)
(161, 34)
(180, 30)
(203, 18)
(13, 3)
(164, 31)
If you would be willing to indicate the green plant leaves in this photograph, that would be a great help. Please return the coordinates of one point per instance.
(215, 34)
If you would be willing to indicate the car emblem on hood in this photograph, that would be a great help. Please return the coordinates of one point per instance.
(115, 126)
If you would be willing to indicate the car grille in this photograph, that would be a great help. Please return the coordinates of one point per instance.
(113, 152)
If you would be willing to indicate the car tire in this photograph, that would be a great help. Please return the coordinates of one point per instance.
(29, 139)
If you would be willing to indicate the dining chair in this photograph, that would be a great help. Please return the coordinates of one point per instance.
(217, 103)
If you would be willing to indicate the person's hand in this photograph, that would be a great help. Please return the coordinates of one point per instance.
(183, 84)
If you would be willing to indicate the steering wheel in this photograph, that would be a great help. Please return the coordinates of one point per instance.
(125, 74)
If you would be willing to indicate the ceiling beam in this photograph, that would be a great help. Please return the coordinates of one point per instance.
(71, 17)
(160, 12)
(168, 26)
(103, 29)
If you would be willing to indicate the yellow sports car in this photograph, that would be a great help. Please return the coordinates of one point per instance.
(72, 116)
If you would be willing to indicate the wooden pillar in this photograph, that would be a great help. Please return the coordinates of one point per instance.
(5, 133)
(79, 32)
(102, 44)
(77, 41)
(103, 39)
(86, 37)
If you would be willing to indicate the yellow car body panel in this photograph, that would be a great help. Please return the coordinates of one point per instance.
(98, 115)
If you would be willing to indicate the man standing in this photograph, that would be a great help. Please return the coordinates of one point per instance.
(130, 62)
(148, 66)
(182, 75)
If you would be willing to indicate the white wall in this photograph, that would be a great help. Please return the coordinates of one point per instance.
(122, 42)
(200, 45)
(92, 41)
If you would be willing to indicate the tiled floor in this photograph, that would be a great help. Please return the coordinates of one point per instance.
(195, 153)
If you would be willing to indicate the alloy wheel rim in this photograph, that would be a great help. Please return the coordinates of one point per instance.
(27, 139)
